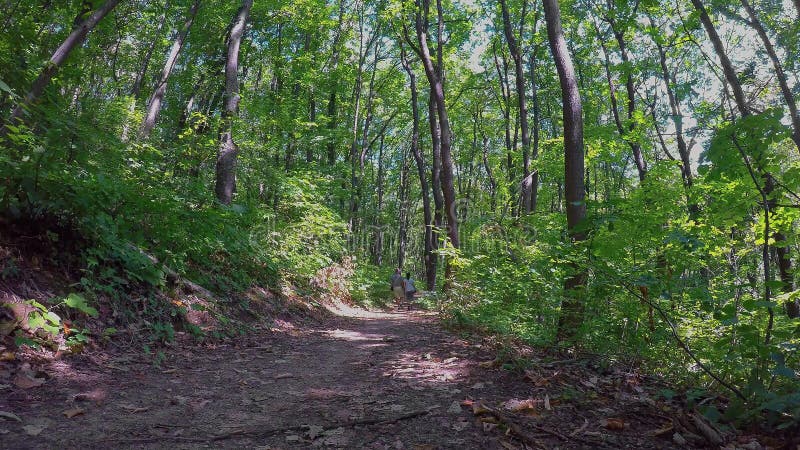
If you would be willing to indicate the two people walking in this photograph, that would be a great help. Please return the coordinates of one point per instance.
(403, 287)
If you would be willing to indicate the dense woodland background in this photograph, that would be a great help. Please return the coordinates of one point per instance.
(630, 187)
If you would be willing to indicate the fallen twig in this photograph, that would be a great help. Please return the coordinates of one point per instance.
(257, 431)
(525, 437)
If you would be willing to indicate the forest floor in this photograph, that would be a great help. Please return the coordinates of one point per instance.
(357, 380)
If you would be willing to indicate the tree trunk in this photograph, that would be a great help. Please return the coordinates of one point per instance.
(572, 306)
(333, 81)
(505, 106)
(677, 119)
(140, 75)
(57, 59)
(228, 150)
(429, 258)
(435, 73)
(779, 73)
(488, 168)
(727, 66)
(377, 248)
(536, 114)
(636, 148)
(526, 187)
(436, 170)
(784, 263)
(402, 232)
(154, 104)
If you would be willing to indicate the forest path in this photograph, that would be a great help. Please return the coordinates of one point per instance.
(366, 380)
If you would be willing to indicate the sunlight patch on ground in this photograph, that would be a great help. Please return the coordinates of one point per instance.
(426, 367)
(354, 336)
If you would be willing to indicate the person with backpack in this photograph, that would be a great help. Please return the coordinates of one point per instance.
(396, 285)
(409, 289)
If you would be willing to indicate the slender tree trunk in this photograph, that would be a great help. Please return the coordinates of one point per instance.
(429, 258)
(505, 106)
(572, 306)
(436, 170)
(437, 84)
(377, 248)
(536, 130)
(677, 118)
(784, 265)
(333, 81)
(154, 104)
(140, 75)
(725, 62)
(402, 232)
(625, 134)
(57, 59)
(434, 72)
(636, 148)
(779, 73)
(526, 187)
(228, 150)
(488, 168)
(312, 118)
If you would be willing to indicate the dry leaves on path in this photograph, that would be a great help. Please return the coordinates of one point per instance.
(70, 413)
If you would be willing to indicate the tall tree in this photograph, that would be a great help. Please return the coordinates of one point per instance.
(572, 113)
(530, 180)
(788, 96)
(767, 184)
(75, 39)
(154, 103)
(434, 74)
(228, 149)
(429, 258)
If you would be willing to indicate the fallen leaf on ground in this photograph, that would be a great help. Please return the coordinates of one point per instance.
(614, 424)
(283, 375)
(33, 430)
(10, 416)
(489, 364)
(70, 413)
(478, 408)
(23, 381)
(527, 406)
(547, 402)
(661, 431)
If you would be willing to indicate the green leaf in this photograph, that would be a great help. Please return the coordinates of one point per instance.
(79, 302)
(6, 88)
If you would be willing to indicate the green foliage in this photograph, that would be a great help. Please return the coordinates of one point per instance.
(369, 286)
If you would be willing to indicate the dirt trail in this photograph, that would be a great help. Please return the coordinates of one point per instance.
(378, 381)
